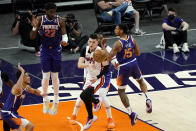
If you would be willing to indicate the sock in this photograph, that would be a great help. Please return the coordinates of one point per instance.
(108, 112)
(146, 94)
(56, 98)
(129, 110)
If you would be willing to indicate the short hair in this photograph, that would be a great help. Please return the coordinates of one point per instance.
(18, 73)
(71, 16)
(93, 36)
(172, 9)
(49, 6)
(123, 27)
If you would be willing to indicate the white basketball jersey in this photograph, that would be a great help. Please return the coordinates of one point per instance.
(95, 68)
(1, 84)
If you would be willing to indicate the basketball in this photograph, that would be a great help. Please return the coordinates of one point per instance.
(99, 56)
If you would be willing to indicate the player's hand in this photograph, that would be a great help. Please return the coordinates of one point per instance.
(94, 79)
(103, 41)
(34, 21)
(20, 68)
(63, 43)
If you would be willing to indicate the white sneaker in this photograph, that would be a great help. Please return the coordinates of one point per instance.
(139, 32)
(148, 106)
(54, 108)
(89, 122)
(175, 48)
(109, 13)
(185, 47)
(46, 106)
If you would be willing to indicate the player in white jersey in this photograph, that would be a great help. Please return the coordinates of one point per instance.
(94, 79)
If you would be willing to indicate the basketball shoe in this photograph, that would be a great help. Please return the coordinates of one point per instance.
(133, 118)
(148, 106)
(54, 108)
(89, 122)
(72, 120)
(111, 124)
(46, 106)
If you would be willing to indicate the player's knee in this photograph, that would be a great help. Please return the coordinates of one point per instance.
(46, 76)
(86, 95)
(102, 92)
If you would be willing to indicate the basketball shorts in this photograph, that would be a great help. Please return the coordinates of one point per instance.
(125, 71)
(13, 119)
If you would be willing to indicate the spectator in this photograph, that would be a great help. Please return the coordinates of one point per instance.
(22, 25)
(175, 31)
(111, 10)
(76, 38)
(129, 12)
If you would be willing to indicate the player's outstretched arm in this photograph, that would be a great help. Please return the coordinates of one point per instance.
(33, 91)
(17, 88)
(36, 22)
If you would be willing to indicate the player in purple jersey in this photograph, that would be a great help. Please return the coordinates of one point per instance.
(125, 50)
(4, 78)
(15, 99)
(53, 34)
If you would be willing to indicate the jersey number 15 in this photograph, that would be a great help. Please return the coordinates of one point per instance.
(128, 53)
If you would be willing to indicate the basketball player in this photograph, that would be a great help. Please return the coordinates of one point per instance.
(94, 80)
(15, 99)
(4, 78)
(125, 50)
(53, 34)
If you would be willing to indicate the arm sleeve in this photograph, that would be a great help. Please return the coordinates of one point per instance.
(105, 69)
(4, 77)
(83, 52)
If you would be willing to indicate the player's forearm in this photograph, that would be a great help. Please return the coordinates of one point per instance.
(15, 30)
(82, 65)
(33, 33)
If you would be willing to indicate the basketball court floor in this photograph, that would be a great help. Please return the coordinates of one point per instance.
(171, 81)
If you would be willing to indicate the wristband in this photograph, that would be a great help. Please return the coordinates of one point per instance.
(34, 29)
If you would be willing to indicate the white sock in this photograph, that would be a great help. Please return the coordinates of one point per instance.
(56, 98)
(108, 112)
(45, 98)
(129, 110)
(55, 83)
(146, 95)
